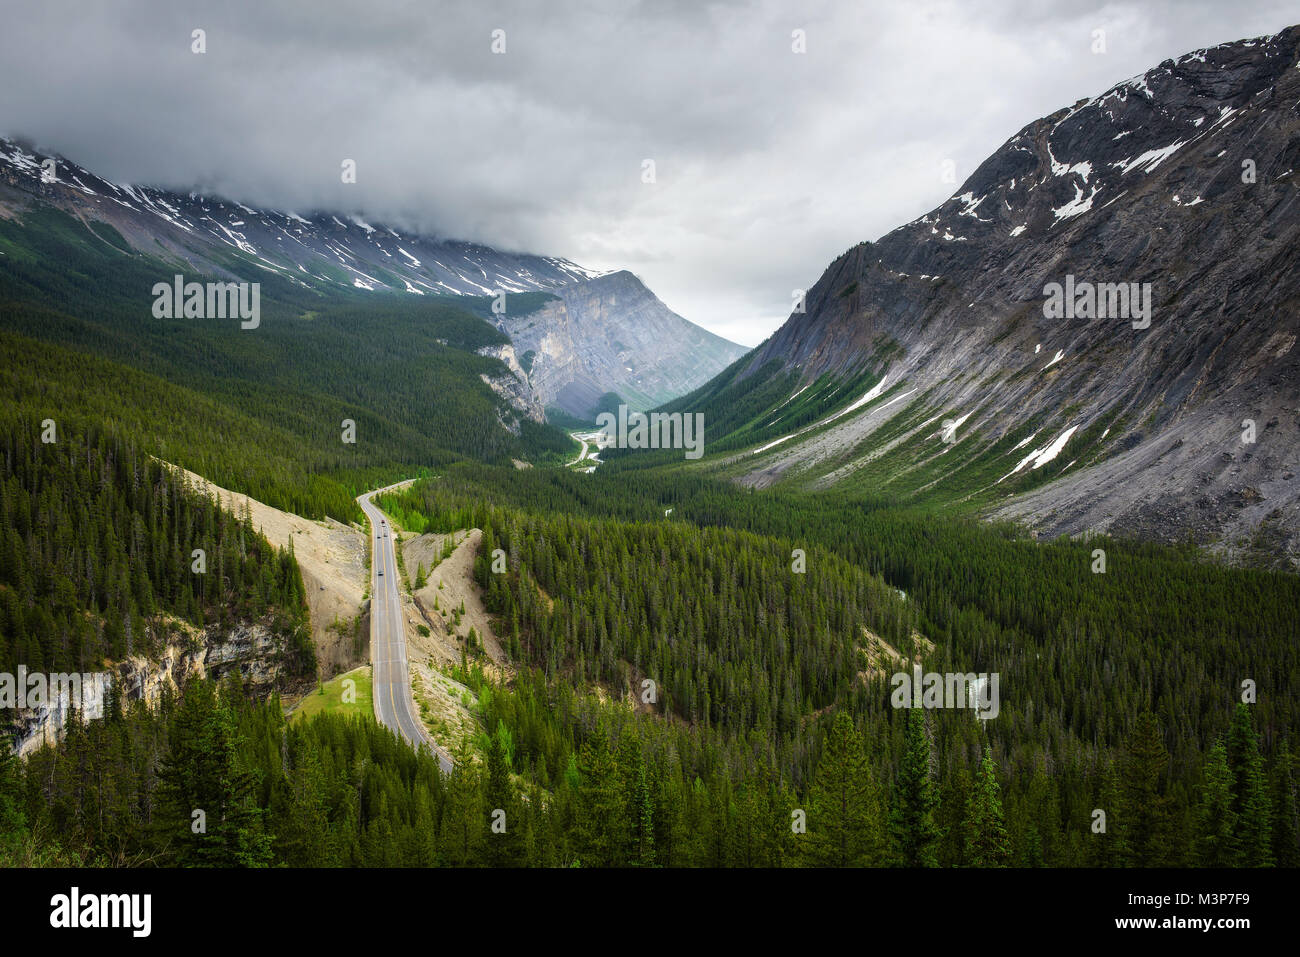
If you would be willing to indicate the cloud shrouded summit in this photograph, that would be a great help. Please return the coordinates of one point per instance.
(768, 162)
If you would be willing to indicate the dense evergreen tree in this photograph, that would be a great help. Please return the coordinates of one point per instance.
(912, 809)
(1251, 805)
(13, 824)
(601, 816)
(845, 813)
(208, 795)
(1217, 841)
(505, 826)
(987, 844)
(1144, 811)
(1286, 823)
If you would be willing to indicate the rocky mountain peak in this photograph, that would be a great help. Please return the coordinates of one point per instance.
(1178, 186)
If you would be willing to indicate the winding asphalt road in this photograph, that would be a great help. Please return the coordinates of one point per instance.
(394, 707)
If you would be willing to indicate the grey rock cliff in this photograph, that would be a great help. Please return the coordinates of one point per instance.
(612, 334)
(1185, 178)
(249, 650)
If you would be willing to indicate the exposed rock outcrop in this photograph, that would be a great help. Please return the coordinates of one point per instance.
(612, 334)
(514, 388)
(250, 650)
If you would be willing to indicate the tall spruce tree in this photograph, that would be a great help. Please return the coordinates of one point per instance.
(1146, 808)
(462, 830)
(643, 821)
(987, 844)
(912, 814)
(1286, 826)
(601, 811)
(211, 816)
(1216, 819)
(1254, 834)
(501, 805)
(1110, 845)
(12, 820)
(844, 813)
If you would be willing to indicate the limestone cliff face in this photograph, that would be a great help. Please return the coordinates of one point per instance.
(249, 650)
(514, 387)
(612, 334)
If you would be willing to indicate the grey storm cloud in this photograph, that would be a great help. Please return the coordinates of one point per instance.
(768, 162)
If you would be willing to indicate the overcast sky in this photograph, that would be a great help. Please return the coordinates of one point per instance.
(768, 162)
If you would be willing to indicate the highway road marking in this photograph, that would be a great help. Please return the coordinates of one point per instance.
(386, 607)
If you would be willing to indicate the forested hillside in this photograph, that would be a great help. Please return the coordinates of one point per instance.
(97, 542)
(1116, 686)
(715, 617)
(591, 784)
(407, 373)
(772, 695)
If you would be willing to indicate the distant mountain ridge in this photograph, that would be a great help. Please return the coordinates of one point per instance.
(320, 249)
(601, 334)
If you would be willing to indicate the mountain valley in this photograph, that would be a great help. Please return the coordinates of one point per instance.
(354, 582)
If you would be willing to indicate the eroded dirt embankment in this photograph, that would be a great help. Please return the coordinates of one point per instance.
(332, 558)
